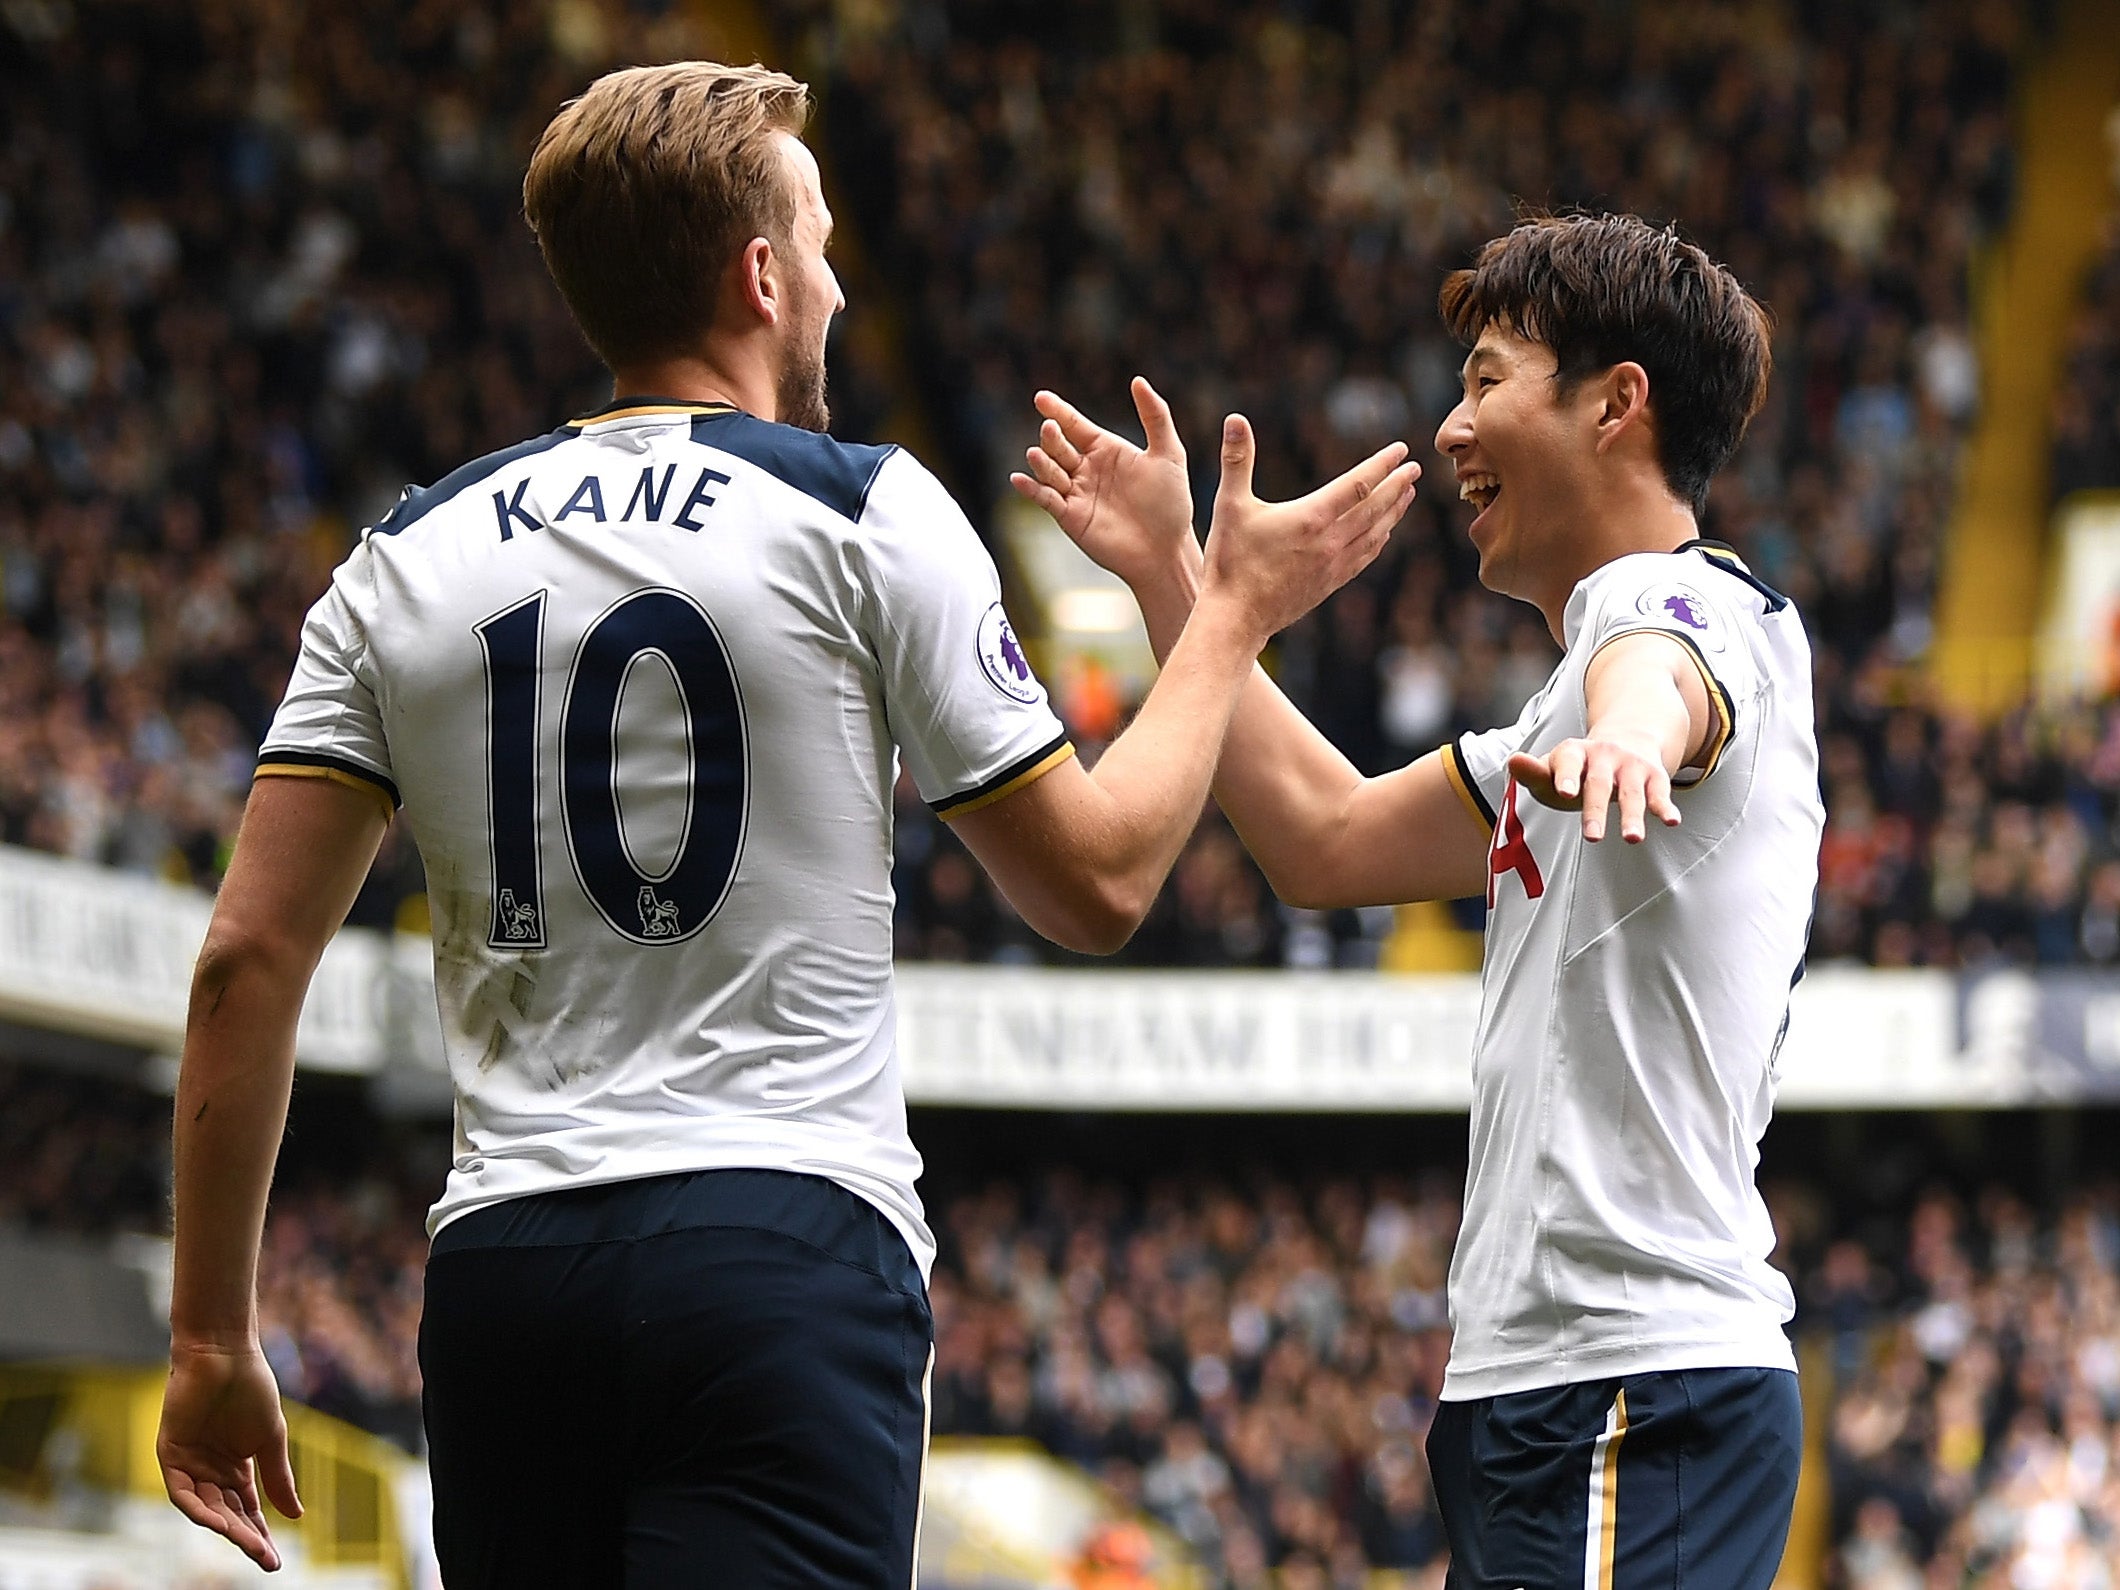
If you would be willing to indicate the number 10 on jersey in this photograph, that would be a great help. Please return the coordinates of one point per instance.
(668, 628)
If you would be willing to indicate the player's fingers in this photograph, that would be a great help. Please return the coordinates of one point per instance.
(1597, 797)
(1535, 774)
(1566, 760)
(1047, 470)
(240, 1501)
(1156, 423)
(207, 1515)
(217, 1508)
(197, 1511)
(1387, 505)
(276, 1478)
(1072, 423)
(1055, 442)
(1630, 786)
(1360, 483)
(1044, 496)
(256, 1541)
(1661, 806)
(1363, 551)
(1237, 448)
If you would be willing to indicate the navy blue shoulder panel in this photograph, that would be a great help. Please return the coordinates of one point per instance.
(419, 501)
(835, 473)
(1725, 558)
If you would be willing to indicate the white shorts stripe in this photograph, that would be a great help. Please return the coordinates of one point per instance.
(927, 1429)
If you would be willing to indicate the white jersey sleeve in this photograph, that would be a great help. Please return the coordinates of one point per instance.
(965, 707)
(1705, 613)
(1477, 764)
(330, 724)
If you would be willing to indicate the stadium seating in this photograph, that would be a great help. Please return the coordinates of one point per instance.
(2087, 406)
(1313, 176)
(252, 282)
(1252, 1356)
(215, 362)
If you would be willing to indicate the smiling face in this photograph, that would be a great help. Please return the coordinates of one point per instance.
(1523, 448)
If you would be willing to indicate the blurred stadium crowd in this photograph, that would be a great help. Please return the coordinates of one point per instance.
(2087, 405)
(259, 267)
(1317, 170)
(1255, 1358)
(1973, 1440)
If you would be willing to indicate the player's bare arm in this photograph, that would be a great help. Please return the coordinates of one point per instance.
(304, 847)
(1650, 717)
(1081, 854)
(1324, 835)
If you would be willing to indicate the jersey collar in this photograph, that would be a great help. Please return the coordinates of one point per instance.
(636, 404)
(1721, 551)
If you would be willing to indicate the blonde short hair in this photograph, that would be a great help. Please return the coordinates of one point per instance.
(644, 189)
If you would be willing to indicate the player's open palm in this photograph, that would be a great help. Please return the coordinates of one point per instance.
(1129, 508)
(222, 1437)
(1283, 558)
(1592, 776)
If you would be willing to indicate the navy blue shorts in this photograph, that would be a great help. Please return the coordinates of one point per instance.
(709, 1379)
(1682, 1481)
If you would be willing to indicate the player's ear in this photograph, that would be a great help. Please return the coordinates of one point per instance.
(1623, 403)
(759, 277)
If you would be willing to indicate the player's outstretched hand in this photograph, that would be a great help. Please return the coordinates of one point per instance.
(1280, 559)
(222, 1435)
(1129, 508)
(1589, 775)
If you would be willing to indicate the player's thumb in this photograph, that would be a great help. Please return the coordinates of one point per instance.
(276, 1478)
(1156, 423)
(1238, 447)
(1535, 774)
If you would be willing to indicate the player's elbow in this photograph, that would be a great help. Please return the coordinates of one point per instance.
(1307, 885)
(1099, 917)
(234, 956)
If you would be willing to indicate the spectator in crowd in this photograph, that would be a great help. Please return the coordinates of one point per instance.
(1254, 1359)
(250, 284)
(259, 267)
(2086, 420)
(1254, 204)
(81, 1158)
(1977, 1442)
(339, 1300)
(1257, 1368)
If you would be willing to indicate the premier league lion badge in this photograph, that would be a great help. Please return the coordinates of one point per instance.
(1001, 658)
(1684, 611)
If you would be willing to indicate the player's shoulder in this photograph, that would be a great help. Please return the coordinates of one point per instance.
(842, 476)
(416, 503)
(1699, 587)
(1725, 561)
(1713, 565)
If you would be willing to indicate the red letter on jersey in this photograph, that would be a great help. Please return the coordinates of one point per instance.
(1511, 852)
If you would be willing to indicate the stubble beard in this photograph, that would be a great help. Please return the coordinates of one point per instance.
(800, 395)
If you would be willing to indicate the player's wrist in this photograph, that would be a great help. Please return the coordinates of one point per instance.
(1225, 612)
(1174, 576)
(240, 1340)
(213, 1326)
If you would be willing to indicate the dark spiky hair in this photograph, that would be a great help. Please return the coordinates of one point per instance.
(1601, 290)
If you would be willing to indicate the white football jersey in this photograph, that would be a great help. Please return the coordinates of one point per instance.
(1633, 1004)
(641, 685)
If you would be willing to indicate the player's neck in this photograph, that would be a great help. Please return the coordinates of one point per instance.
(714, 376)
(1644, 519)
(1620, 525)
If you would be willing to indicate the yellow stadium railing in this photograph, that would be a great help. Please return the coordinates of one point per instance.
(95, 1426)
